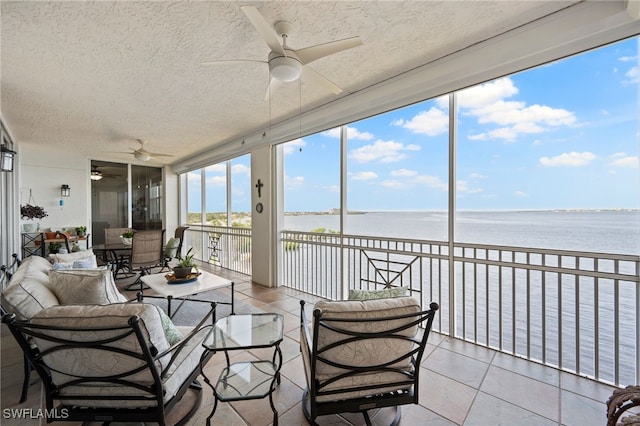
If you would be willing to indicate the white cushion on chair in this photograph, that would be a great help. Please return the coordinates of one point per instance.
(89, 362)
(28, 291)
(370, 352)
(70, 257)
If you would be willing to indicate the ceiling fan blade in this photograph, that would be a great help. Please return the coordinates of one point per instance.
(157, 154)
(234, 61)
(274, 84)
(265, 30)
(310, 72)
(312, 53)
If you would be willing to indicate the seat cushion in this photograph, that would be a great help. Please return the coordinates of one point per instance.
(96, 362)
(70, 257)
(28, 291)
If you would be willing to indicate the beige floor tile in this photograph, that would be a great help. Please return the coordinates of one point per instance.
(530, 394)
(488, 410)
(461, 368)
(445, 396)
(578, 410)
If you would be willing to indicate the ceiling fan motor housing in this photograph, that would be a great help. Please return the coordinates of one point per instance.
(285, 68)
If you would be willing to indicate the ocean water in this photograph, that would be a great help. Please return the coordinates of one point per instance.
(593, 231)
(614, 232)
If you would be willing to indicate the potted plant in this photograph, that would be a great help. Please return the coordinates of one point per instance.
(184, 267)
(31, 212)
(81, 231)
(127, 236)
(54, 247)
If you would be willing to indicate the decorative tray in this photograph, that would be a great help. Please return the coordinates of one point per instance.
(171, 279)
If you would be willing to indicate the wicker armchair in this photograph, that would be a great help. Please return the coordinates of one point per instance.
(620, 401)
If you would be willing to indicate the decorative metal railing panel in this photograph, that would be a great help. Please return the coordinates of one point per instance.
(576, 311)
(228, 247)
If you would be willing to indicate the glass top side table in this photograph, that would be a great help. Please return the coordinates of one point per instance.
(246, 380)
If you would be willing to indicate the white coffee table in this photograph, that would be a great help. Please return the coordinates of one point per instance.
(205, 282)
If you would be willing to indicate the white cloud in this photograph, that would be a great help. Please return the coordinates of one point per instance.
(352, 133)
(404, 172)
(364, 176)
(382, 151)
(570, 159)
(241, 168)
(477, 176)
(294, 145)
(486, 94)
(218, 167)
(431, 181)
(628, 58)
(463, 186)
(216, 180)
(432, 122)
(395, 184)
(293, 182)
(620, 159)
(632, 76)
(521, 194)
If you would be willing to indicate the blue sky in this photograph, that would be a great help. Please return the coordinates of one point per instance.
(560, 136)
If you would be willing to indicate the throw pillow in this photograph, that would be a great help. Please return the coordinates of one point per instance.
(70, 257)
(172, 247)
(377, 294)
(85, 287)
(86, 263)
(172, 334)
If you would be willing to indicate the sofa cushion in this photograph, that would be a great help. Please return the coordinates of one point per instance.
(28, 291)
(78, 287)
(96, 362)
(355, 294)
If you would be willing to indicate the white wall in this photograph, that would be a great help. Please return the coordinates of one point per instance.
(262, 257)
(42, 172)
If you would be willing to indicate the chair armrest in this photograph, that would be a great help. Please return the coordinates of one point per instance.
(177, 348)
(305, 332)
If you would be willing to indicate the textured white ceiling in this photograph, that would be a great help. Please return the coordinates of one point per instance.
(91, 77)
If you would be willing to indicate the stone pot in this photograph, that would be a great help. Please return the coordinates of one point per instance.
(181, 272)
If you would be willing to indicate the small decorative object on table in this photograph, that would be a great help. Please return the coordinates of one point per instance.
(127, 237)
(81, 231)
(185, 265)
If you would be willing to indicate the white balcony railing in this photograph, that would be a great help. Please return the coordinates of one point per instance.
(576, 311)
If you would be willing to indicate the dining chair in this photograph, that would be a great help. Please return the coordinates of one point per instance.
(111, 237)
(146, 253)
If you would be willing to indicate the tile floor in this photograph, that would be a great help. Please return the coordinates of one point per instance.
(461, 383)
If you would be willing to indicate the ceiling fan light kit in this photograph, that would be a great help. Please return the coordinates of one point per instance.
(285, 68)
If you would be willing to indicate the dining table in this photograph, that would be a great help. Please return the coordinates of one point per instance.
(115, 254)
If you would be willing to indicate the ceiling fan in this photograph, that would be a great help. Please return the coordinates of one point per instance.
(287, 64)
(97, 174)
(144, 155)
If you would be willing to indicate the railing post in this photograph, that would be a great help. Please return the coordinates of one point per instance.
(452, 212)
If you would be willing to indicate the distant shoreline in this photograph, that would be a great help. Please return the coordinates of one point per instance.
(336, 211)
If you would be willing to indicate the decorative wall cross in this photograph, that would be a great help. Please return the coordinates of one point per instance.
(259, 185)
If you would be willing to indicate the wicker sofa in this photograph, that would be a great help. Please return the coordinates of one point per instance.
(100, 357)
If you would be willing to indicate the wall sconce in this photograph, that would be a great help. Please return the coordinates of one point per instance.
(6, 159)
(65, 191)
